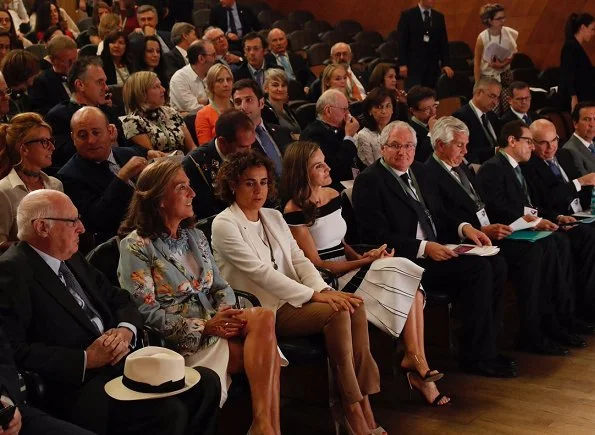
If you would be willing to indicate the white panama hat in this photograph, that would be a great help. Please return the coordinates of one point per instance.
(150, 373)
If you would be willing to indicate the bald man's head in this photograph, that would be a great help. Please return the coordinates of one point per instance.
(277, 41)
(92, 133)
(545, 139)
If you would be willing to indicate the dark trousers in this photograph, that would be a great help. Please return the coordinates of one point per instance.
(425, 75)
(192, 412)
(478, 283)
(36, 422)
(582, 242)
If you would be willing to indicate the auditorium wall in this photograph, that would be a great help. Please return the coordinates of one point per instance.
(540, 22)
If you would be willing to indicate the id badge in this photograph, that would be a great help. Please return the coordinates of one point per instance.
(354, 172)
(530, 211)
(576, 206)
(426, 38)
(482, 216)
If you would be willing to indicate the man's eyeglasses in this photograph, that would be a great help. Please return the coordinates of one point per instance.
(522, 99)
(398, 146)
(344, 109)
(73, 222)
(429, 108)
(544, 143)
(529, 140)
(46, 143)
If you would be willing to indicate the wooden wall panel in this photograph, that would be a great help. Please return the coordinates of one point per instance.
(540, 22)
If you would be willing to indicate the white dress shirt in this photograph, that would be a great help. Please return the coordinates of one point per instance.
(185, 89)
(352, 80)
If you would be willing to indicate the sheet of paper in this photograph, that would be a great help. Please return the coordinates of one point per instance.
(481, 251)
(522, 224)
(583, 214)
(496, 50)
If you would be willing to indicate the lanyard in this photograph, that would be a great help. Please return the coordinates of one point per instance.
(471, 194)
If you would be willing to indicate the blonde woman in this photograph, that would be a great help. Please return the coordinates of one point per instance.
(277, 96)
(149, 123)
(334, 76)
(219, 82)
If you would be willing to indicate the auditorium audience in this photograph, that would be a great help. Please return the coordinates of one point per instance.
(26, 146)
(520, 104)
(395, 203)
(255, 63)
(341, 55)
(7, 25)
(277, 97)
(217, 37)
(182, 35)
(148, 20)
(313, 213)
(496, 34)
(378, 111)
(333, 131)
(293, 64)
(50, 86)
(99, 10)
(581, 147)
(235, 133)
(285, 281)
(149, 123)
(219, 82)
(483, 124)
(19, 68)
(576, 74)
(117, 63)
(64, 19)
(48, 15)
(204, 328)
(187, 90)
(423, 45)
(236, 20)
(83, 328)
(271, 138)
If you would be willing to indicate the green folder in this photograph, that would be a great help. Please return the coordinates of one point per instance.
(528, 235)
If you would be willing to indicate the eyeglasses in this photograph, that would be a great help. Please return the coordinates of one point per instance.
(46, 143)
(429, 108)
(529, 140)
(344, 109)
(545, 143)
(522, 99)
(398, 146)
(73, 222)
(491, 96)
(218, 38)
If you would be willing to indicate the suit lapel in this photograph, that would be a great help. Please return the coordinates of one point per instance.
(510, 175)
(250, 234)
(393, 184)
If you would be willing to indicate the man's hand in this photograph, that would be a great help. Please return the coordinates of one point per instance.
(132, 168)
(403, 71)
(231, 58)
(438, 252)
(546, 225)
(149, 31)
(563, 219)
(587, 180)
(476, 236)
(14, 427)
(119, 340)
(98, 355)
(351, 125)
(497, 231)
(154, 154)
(232, 36)
(431, 121)
(448, 71)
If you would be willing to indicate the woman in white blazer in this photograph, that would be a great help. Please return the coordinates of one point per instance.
(256, 252)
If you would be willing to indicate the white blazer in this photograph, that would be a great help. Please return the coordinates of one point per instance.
(246, 265)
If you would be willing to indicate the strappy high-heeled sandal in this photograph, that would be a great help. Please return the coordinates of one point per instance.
(437, 399)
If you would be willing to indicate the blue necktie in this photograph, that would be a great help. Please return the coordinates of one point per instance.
(269, 148)
(555, 169)
(286, 66)
(592, 148)
(526, 119)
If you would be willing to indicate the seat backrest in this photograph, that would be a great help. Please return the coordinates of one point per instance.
(333, 36)
(105, 258)
(388, 50)
(88, 50)
(286, 25)
(393, 36)
(295, 90)
(318, 26)
(362, 51)
(318, 53)
(351, 236)
(300, 17)
(300, 39)
(521, 60)
(269, 16)
(85, 24)
(369, 37)
(206, 226)
(294, 104)
(458, 85)
(527, 75)
(349, 27)
(460, 49)
(200, 18)
(306, 114)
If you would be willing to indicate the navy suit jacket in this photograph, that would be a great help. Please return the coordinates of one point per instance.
(250, 23)
(47, 91)
(173, 62)
(479, 146)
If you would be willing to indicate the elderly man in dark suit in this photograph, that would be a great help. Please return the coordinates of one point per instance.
(66, 322)
(423, 45)
(510, 196)
(272, 139)
(50, 86)
(394, 203)
(26, 420)
(234, 19)
(533, 266)
(182, 35)
(255, 62)
(482, 122)
(581, 147)
(234, 132)
(148, 19)
(99, 178)
(294, 65)
(333, 131)
(520, 105)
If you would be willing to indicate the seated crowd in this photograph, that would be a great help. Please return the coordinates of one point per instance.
(158, 128)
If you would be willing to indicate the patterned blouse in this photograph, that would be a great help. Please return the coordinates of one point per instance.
(368, 145)
(176, 286)
(163, 126)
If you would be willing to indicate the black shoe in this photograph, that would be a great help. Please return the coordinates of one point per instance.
(545, 347)
(568, 339)
(489, 369)
(505, 361)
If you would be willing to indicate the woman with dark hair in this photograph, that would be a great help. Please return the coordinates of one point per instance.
(167, 266)
(384, 75)
(65, 21)
(127, 11)
(19, 68)
(99, 10)
(7, 25)
(48, 15)
(389, 286)
(378, 109)
(152, 60)
(255, 250)
(577, 82)
(116, 62)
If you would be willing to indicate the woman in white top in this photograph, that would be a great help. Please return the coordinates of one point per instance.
(504, 40)
(26, 147)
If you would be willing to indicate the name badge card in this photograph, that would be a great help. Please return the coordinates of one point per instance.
(482, 216)
(530, 211)
(576, 206)
(426, 38)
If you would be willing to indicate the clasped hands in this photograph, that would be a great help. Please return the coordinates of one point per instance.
(227, 323)
(380, 252)
(110, 348)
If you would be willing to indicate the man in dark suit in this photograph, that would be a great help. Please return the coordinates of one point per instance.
(87, 84)
(182, 35)
(509, 196)
(520, 105)
(235, 20)
(234, 132)
(422, 106)
(255, 62)
(581, 147)
(26, 420)
(50, 86)
(217, 37)
(395, 204)
(271, 138)
(532, 266)
(69, 324)
(98, 178)
(294, 65)
(148, 19)
(560, 188)
(333, 131)
(423, 45)
(482, 122)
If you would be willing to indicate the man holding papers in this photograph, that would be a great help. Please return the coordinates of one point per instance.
(394, 203)
(508, 196)
(533, 266)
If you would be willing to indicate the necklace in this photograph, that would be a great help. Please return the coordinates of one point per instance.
(268, 244)
(28, 173)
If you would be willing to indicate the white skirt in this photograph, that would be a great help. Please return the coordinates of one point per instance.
(388, 290)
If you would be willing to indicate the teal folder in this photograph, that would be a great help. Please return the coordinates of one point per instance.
(528, 235)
